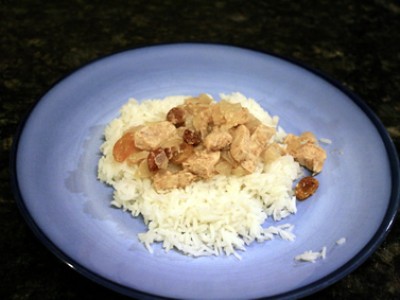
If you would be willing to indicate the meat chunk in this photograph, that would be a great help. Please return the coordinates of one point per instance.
(259, 138)
(217, 115)
(150, 136)
(271, 153)
(306, 151)
(240, 146)
(199, 113)
(193, 103)
(164, 181)
(229, 114)
(217, 140)
(252, 123)
(249, 165)
(202, 163)
(241, 149)
(293, 142)
(201, 121)
(308, 137)
(311, 156)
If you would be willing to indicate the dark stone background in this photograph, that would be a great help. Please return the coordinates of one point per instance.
(354, 42)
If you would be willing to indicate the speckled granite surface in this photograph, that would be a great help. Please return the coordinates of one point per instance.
(355, 42)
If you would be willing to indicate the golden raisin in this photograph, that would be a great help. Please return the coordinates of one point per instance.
(176, 116)
(191, 137)
(306, 187)
(124, 147)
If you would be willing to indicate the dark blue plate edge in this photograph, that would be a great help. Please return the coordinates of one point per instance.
(309, 289)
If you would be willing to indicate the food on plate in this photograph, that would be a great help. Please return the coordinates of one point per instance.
(306, 151)
(311, 256)
(306, 187)
(204, 174)
(201, 138)
(341, 241)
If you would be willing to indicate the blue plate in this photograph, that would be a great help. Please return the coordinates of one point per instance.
(57, 150)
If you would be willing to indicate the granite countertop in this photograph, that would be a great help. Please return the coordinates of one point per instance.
(354, 42)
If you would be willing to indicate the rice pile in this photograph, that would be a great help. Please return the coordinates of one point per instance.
(214, 217)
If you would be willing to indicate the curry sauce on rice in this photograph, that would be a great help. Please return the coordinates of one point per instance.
(204, 174)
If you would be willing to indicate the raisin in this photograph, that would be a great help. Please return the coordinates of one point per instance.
(306, 187)
(176, 116)
(124, 147)
(191, 137)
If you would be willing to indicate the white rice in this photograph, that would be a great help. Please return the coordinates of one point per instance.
(325, 141)
(214, 217)
(341, 241)
(312, 256)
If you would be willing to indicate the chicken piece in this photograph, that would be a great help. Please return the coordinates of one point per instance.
(229, 114)
(252, 123)
(307, 137)
(217, 115)
(293, 142)
(223, 167)
(249, 165)
(311, 156)
(164, 181)
(259, 138)
(239, 171)
(198, 113)
(174, 141)
(202, 163)
(150, 136)
(242, 149)
(306, 151)
(201, 120)
(227, 156)
(240, 146)
(238, 116)
(193, 103)
(217, 140)
(271, 153)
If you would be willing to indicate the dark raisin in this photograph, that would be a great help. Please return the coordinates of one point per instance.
(306, 187)
(191, 137)
(176, 116)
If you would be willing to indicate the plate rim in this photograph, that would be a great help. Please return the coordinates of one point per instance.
(356, 261)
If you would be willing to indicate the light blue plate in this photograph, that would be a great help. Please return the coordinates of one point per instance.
(57, 150)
